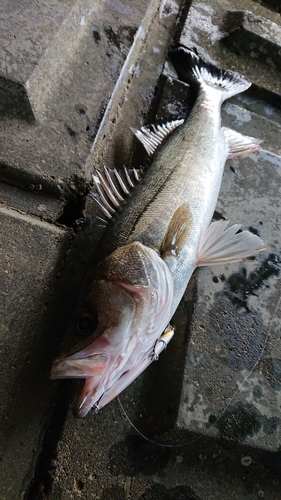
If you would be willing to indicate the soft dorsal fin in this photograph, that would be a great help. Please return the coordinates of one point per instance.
(111, 186)
(152, 136)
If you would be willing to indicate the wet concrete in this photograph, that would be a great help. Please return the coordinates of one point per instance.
(213, 398)
(208, 28)
(68, 76)
(32, 255)
(235, 327)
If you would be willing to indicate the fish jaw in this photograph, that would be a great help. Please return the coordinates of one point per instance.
(87, 399)
(128, 377)
(133, 301)
(90, 398)
(79, 367)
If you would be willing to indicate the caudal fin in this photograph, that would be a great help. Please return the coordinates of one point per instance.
(191, 68)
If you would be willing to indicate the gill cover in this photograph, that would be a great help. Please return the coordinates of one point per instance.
(132, 297)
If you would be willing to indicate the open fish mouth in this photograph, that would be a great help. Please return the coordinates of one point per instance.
(79, 367)
(138, 308)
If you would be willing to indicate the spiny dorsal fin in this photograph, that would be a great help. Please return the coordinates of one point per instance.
(178, 232)
(152, 136)
(110, 187)
(220, 245)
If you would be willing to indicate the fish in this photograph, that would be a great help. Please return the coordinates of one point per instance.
(159, 230)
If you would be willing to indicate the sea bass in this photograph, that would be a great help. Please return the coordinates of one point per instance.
(152, 245)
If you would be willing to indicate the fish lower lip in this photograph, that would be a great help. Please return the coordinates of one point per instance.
(62, 369)
(79, 367)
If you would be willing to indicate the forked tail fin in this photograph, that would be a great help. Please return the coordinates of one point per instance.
(191, 68)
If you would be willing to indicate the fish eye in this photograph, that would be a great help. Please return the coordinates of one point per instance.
(86, 323)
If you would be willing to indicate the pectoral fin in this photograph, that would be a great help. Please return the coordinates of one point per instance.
(177, 233)
(239, 144)
(220, 245)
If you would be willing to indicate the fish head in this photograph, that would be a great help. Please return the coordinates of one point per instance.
(118, 318)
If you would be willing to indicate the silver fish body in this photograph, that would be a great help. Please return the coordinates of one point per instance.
(142, 266)
(187, 170)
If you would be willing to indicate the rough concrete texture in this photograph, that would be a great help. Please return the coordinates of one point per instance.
(68, 83)
(253, 35)
(32, 253)
(232, 363)
(231, 315)
(26, 31)
(90, 71)
(207, 28)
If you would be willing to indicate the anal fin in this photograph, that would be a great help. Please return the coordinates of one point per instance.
(221, 245)
(239, 144)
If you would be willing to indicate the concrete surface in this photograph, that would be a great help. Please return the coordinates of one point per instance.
(210, 407)
(231, 369)
(207, 28)
(68, 78)
(253, 36)
(32, 254)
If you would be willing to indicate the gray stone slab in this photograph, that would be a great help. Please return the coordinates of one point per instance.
(253, 36)
(234, 336)
(251, 115)
(206, 28)
(98, 457)
(275, 4)
(231, 386)
(31, 257)
(29, 156)
(232, 371)
(68, 89)
(131, 101)
(32, 202)
(27, 29)
(103, 460)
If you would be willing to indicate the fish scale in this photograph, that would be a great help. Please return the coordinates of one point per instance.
(177, 175)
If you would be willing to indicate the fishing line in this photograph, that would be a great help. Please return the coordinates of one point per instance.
(125, 414)
(166, 445)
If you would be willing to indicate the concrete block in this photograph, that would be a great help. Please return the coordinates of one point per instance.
(253, 36)
(43, 154)
(206, 28)
(26, 34)
(32, 252)
(244, 332)
(32, 202)
(230, 387)
(67, 72)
